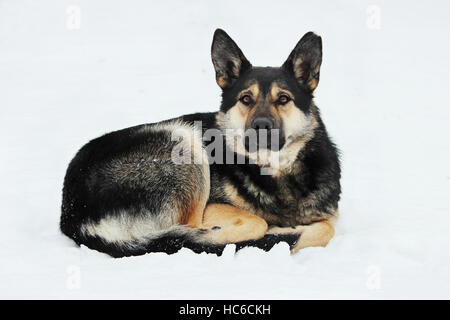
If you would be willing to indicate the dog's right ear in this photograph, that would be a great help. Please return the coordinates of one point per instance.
(229, 61)
(305, 60)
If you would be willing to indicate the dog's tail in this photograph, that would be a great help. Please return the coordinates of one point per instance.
(173, 239)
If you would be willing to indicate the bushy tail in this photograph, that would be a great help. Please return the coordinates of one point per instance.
(173, 239)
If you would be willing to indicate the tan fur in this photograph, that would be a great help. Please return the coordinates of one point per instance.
(316, 234)
(192, 141)
(276, 90)
(193, 217)
(235, 224)
(313, 84)
(224, 81)
(253, 90)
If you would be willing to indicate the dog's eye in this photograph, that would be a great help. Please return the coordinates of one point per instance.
(246, 99)
(283, 99)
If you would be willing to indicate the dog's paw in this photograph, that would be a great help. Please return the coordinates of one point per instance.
(317, 234)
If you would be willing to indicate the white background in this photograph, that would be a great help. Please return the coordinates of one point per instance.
(66, 78)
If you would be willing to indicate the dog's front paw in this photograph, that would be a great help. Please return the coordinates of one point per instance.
(317, 234)
(291, 235)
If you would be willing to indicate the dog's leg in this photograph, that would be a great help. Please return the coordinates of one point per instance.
(231, 224)
(194, 217)
(316, 234)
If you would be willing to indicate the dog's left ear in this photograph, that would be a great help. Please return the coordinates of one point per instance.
(229, 61)
(305, 60)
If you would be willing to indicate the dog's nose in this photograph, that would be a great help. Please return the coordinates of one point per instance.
(262, 123)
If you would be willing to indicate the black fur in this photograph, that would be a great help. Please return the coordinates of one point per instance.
(172, 243)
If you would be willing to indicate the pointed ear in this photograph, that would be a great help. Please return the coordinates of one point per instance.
(229, 61)
(305, 60)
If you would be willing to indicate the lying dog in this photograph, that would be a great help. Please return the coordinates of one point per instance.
(208, 179)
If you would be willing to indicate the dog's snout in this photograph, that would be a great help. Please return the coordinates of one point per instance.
(262, 123)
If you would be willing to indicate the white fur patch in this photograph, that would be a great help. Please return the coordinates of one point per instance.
(122, 228)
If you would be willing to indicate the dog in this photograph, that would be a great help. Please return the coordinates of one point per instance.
(160, 187)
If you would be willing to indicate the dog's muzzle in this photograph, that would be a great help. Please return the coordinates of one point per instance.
(263, 135)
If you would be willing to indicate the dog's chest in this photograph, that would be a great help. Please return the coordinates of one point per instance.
(281, 204)
(279, 200)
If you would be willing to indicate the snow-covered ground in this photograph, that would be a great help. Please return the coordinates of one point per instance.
(73, 70)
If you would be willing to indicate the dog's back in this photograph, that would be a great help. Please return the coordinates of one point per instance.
(123, 190)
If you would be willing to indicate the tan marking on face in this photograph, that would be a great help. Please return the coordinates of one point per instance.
(276, 91)
(293, 118)
(275, 114)
(249, 111)
(239, 113)
(252, 90)
(276, 111)
(272, 111)
(298, 128)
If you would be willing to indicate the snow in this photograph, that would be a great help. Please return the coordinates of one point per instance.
(383, 95)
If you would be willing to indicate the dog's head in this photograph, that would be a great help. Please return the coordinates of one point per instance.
(276, 99)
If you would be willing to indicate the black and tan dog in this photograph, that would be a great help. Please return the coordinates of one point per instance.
(125, 195)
